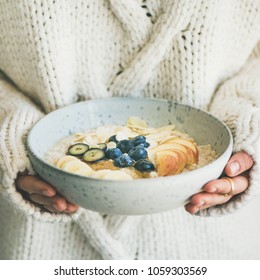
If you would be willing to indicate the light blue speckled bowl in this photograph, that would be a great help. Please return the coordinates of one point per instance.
(135, 197)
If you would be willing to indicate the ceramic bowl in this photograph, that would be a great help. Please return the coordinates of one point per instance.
(135, 197)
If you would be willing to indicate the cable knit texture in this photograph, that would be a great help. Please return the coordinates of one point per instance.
(202, 53)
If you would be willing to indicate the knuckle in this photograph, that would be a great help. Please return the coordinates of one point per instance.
(54, 199)
(21, 182)
(195, 199)
(26, 183)
(35, 198)
(241, 184)
(225, 186)
(219, 186)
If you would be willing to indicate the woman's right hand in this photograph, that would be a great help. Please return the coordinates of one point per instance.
(44, 194)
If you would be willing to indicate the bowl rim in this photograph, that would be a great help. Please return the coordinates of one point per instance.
(228, 149)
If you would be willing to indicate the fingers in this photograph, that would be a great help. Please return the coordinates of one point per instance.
(238, 163)
(56, 202)
(32, 184)
(223, 186)
(214, 193)
(71, 208)
(204, 200)
(44, 194)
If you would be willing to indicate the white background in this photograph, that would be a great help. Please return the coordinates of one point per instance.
(44, 270)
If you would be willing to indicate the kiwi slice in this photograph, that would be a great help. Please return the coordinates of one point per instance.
(78, 149)
(93, 155)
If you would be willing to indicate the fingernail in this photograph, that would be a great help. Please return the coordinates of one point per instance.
(234, 167)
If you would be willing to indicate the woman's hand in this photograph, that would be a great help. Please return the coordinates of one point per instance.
(217, 191)
(43, 194)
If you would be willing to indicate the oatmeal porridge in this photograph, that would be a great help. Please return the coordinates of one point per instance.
(130, 151)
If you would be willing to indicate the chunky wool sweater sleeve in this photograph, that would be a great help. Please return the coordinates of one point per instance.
(237, 103)
(17, 116)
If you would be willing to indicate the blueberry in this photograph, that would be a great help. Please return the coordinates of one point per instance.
(145, 144)
(125, 145)
(139, 140)
(123, 161)
(144, 165)
(112, 139)
(137, 153)
(113, 153)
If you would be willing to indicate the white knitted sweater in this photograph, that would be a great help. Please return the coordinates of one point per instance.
(202, 53)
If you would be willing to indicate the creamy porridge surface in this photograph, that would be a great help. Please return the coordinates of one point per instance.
(128, 152)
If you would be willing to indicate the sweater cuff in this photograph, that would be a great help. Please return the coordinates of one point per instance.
(245, 125)
(237, 201)
(14, 159)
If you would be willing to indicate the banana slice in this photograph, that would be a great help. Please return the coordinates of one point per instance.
(111, 145)
(64, 160)
(117, 175)
(112, 175)
(74, 165)
(100, 174)
(84, 172)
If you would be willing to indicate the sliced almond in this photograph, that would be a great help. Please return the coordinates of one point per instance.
(169, 127)
(159, 136)
(104, 132)
(136, 122)
(79, 137)
(129, 132)
(121, 136)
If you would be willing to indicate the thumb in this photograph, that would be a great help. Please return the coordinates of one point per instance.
(238, 163)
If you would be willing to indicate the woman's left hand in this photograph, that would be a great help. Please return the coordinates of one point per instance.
(220, 191)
